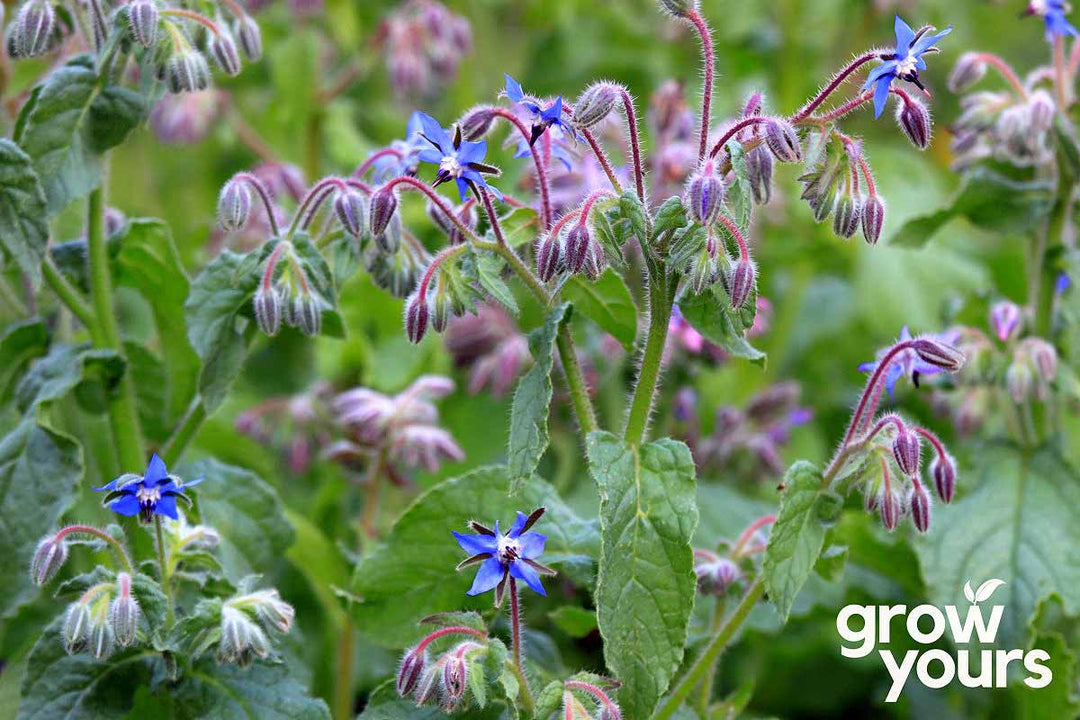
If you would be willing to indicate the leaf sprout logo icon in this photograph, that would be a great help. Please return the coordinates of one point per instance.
(984, 592)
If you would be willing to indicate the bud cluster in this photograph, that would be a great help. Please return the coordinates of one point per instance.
(842, 185)
(105, 616)
(442, 678)
(247, 624)
(295, 425)
(719, 573)
(285, 295)
(423, 43)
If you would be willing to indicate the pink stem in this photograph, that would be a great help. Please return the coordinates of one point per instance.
(602, 158)
(836, 81)
(745, 122)
(427, 190)
(364, 166)
(264, 195)
(635, 144)
(875, 379)
(1006, 71)
(744, 252)
(592, 690)
(91, 530)
(706, 92)
(541, 172)
(749, 533)
(453, 630)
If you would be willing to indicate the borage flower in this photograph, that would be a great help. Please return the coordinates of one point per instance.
(542, 118)
(909, 364)
(407, 160)
(905, 63)
(154, 493)
(458, 160)
(1053, 14)
(500, 556)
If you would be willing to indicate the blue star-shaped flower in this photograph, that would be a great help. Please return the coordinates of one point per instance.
(542, 118)
(905, 63)
(1053, 14)
(558, 152)
(389, 166)
(908, 363)
(458, 159)
(154, 493)
(513, 554)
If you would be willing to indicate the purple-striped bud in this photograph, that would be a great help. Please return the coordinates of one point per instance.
(476, 123)
(759, 170)
(187, 71)
(234, 205)
(969, 69)
(937, 353)
(384, 204)
(548, 257)
(595, 104)
(873, 217)
(390, 241)
(1041, 108)
(124, 612)
(782, 140)
(350, 211)
(742, 282)
(595, 261)
(428, 687)
(920, 507)
(871, 498)
(102, 640)
(223, 49)
(413, 664)
(143, 15)
(705, 195)
(577, 246)
(416, 317)
(678, 8)
(914, 120)
(250, 37)
(49, 557)
(455, 674)
(308, 314)
(889, 510)
(907, 451)
(1044, 356)
(32, 29)
(715, 577)
(846, 218)
(1005, 319)
(441, 311)
(75, 631)
(268, 310)
(943, 470)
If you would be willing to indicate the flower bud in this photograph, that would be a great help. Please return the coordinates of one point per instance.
(705, 195)
(678, 8)
(143, 15)
(716, 577)
(476, 123)
(124, 612)
(247, 32)
(873, 217)
(416, 317)
(759, 169)
(268, 310)
(234, 205)
(703, 271)
(49, 557)
(914, 120)
(889, 509)
(1019, 380)
(595, 104)
(271, 610)
(969, 69)
(919, 505)
(548, 256)
(454, 681)
(428, 687)
(223, 49)
(907, 452)
(350, 210)
(595, 261)
(846, 219)
(871, 498)
(412, 667)
(577, 246)
(782, 140)
(308, 314)
(742, 282)
(242, 640)
(943, 471)
(383, 207)
(1041, 109)
(937, 353)
(76, 629)
(441, 311)
(187, 71)
(1005, 319)
(1044, 356)
(389, 241)
(32, 29)
(102, 640)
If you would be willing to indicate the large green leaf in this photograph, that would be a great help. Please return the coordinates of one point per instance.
(64, 369)
(411, 573)
(711, 315)
(528, 437)
(260, 692)
(246, 511)
(24, 227)
(608, 303)
(20, 343)
(645, 591)
(1020, 524)
(797, 536)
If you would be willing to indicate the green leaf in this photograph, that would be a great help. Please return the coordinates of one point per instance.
(149, 263)
(528, 437)
(575, 621)
(20, 343)
(246, 511)
(989, 201)
(1020, 524)
(488, 272)
(228, 692)
(711, 315)
(520, 226)
(645, 592)
(65, 368)
(608, 303)
(631, 209)
(40, 470)
(740, 196)
(24, 227)
(670, 216)
(797, 536)
(411, 573)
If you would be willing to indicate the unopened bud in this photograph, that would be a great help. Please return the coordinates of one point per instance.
(389, 241)
(247, 32)
(1044, 356)
(873, 217)
(1041, 108)
(32, 29)
(742, 282)
(187, 71)
(937, 353)
(920, 506)
(441, 311)
(50, 556)
(716, 577)
(124, 612)
(102, 640)
(577, 246)
(889, 509)
(548, 257)
(350, 211)
(907, 451)
(678, 8)
(384, 205)
(782, 140)
(969, 69)
(595, 261)
(223, 49)
(943, 470)
(759, 169)
(1019, 380)
(705, 195)
(234, 205)
(268, 310)
(476, 123)
(308, 314)
(143, 15)
(76, 629)
(914, 120)
(454, 681)
(242, 640)
(416, 317)
(272, 611)
(412, 667)
(846, 219)
(428, 687)
(1005, 319)
(595, 104)
(703, 271)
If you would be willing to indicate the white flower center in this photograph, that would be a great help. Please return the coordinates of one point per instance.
(148, 496)
(508, 549)
(1039, 7)
(451, 166)
(906, 66)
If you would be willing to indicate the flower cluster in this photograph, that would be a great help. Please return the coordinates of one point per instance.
(490, 344)
(423, 43)
(720, 572)
(296, 424)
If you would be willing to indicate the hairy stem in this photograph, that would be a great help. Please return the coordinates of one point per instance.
(101, 535)
(525, 695)
(635, 143)
(538, 163)
(602, 158)
(709, 61)
(166, 585)
(661, 300)
(835, 83)
(71, 297)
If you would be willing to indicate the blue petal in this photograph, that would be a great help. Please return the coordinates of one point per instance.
(868, 367)
(531, 106)
(926, 41)
(892, 376)
(554, 112)
(430, 155)
(519, 524)
(463, 188)
(193, 483)
(111, 485)
(167, 506)
(562, 156)
(494, 191)
(905, 334)
(886, 68)
(435, 133)
(470, 152)
(522, 149)
(127, 505)
(476, 544)
(532, 545)
(414, 126)
(487, 577)
(513, 89)
(522, 571)
(155, 471)
(168, 487)
(904, 36)
(881, 94)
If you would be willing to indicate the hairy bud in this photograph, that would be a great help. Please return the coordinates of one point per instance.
(969, 69)
(678, 8)
(268, 310)
(595, 104)
(907, 452)
(412, 667)
(717, 576)
(889, 509)
(389, 241)
(143, 15)
(124, 612)
(350, 211)
(1019, 380)
(1044, 356)
(187, 71)
(223, 49)
(943, 470)
(455, 675)
(307, 314)
(102, 640)
(595, 261)
(577, 247)
(476, 123)
(919, 505)
(782, 140)
(416, 317)
(32, 29)
(76, 629)
(242, 640)
(384, 205)
(248, 33)
(705, 195)
(846, 219)
(937, 353)
(759, 169)
(428, 687)
(49, 557)
(548, 256)
(742, 282)
(873, 217)
(234, 205)
(914, 120)
(1041, 109)
(1005, 319)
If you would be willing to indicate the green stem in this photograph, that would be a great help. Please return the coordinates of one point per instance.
(185, 432)
(575, 381)
(343, 697)
(166, 583)
(661, 299)
(71, 297)
(709, 682)
(712, 651)
(525, 693)
(1043, 273)
(11, 299)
